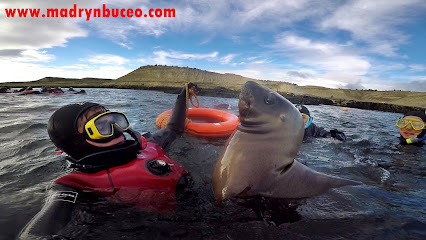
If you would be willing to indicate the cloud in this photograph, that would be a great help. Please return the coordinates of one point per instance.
(107, 59)
(38, 33)
(298, 74)
(417, 67)
(323, 56)
(331, 80)
(222, 18)
(181, 55)
(416, 86)
(12, 71)
(410, 83)
(26, 55)
(176, 57)
(356, 85)
(228, 58)
(375, 22)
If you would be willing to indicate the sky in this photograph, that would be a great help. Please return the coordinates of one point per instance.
(358, 44)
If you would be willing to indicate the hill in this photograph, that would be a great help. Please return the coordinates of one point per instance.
(171, 79)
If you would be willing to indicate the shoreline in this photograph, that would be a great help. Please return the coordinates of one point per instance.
(170, 79)
(295, 99)
(229, 93)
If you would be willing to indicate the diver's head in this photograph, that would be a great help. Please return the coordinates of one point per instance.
(412, 125)
(306, 115)
(86, 128)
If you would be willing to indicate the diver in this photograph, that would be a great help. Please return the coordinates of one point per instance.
(312, 130)
(59, 90)
(131, 172)
(412, 128)
(25, 89)
(5, 89)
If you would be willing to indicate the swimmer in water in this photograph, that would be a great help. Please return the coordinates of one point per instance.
(412, 128)
(312, 130)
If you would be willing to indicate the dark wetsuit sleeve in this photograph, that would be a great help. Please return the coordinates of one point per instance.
(175, 126)
(54, 216)
(315, 131)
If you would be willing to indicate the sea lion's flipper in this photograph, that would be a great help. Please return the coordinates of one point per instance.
(300, 181)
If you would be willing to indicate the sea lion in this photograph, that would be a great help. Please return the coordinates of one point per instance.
(258, 158)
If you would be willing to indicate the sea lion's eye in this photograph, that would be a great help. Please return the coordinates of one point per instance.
(270, 99)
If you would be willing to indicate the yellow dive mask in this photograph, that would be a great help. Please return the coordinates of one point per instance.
(102, 125)
(416, 124)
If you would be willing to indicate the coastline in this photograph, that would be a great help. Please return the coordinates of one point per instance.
(170, 79)
(301, 99)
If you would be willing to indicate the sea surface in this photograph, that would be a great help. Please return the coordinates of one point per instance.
(390, 205)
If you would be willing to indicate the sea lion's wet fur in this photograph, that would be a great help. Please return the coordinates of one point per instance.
(258, 158)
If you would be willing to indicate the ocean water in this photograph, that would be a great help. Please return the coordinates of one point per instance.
(390, 204)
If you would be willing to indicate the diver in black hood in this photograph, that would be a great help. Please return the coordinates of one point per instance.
(312, 130)
(134, 172)
(412, 128)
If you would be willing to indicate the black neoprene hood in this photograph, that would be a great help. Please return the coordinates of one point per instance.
(303, 109)
(62, 128)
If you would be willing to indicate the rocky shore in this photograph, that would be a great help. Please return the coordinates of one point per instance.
(302, 99)
(171, 79)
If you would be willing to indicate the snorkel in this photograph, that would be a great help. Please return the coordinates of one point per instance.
(138, 137)
(415, 140)
(309, 122)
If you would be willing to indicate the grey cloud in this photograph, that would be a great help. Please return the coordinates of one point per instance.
(299, 74)
(415, 86)
(10, 53)
(357, 85)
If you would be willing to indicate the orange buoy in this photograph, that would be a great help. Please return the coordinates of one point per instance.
(345, 109)
(205, 122)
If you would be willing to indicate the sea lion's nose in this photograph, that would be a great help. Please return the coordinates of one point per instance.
(243, 104)
(243, 107)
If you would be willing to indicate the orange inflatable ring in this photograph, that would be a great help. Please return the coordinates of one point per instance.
(204, 122)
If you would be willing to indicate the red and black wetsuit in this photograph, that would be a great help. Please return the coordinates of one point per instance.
(148, 181)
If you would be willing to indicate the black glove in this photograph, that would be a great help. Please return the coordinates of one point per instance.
(339, 135)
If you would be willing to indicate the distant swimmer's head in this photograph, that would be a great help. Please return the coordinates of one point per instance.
(306, 115)
(412, 125)
(87, 128)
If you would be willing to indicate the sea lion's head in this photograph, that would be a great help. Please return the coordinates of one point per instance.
(262, 110)
(259, 106)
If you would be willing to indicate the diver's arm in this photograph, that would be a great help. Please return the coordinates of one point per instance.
(315, 131)
(337, 134)
(321, 132)
(55, 215)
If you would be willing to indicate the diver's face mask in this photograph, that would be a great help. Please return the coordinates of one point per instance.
(109, 125)
(307, 120)
(415, 124)
(106, 126)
